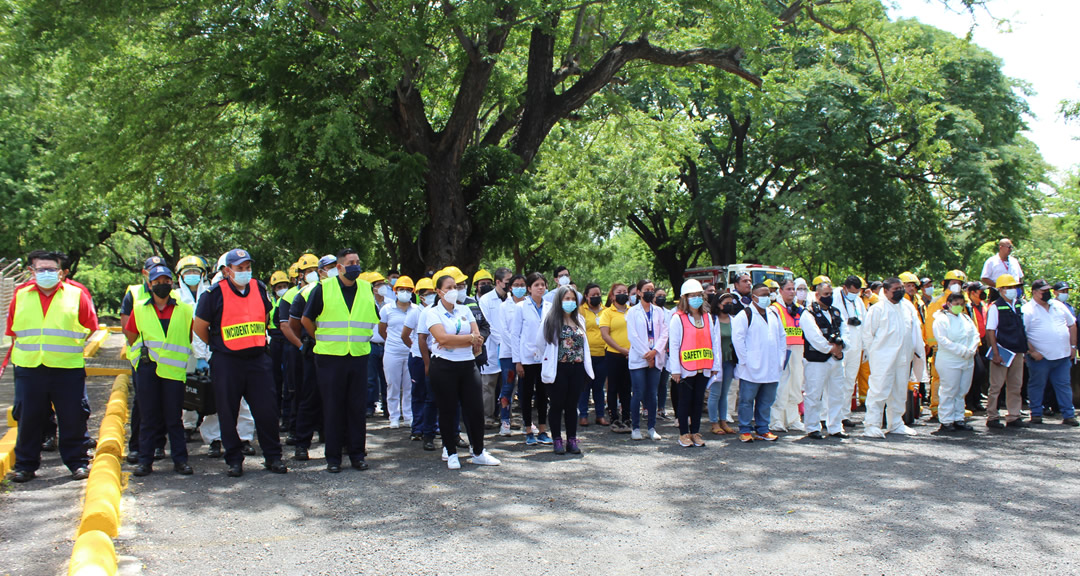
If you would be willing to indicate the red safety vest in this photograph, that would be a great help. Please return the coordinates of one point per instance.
(791, 325)
(243, 318)
(696, 351)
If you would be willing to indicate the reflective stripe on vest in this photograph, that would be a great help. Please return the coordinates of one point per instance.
(791, 325)
(170, 352)
(137, 293)
(243, 318)
(54, 339)
(696, 351)
(340, 331)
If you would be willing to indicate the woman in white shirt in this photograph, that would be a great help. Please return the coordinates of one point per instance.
(694, 342)
(527, 358)
(567, 361)
(646, 328)
(507, 316)
(396, 356)
(424, 409)
(455, 378)
(958, 341)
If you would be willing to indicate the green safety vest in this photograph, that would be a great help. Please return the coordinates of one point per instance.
(287, 297)
(340, 331)
(54, 339)
(139, 293)
(170, 352)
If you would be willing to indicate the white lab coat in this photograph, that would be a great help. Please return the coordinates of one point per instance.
(637, 332)
(550, 363)
(957, 343)
(491, 307)
(761, 347)
(526, 323)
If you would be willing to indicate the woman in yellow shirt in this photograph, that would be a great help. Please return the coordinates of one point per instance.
(591, 310)
(617, 351)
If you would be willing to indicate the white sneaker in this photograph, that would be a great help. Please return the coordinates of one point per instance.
(635, 434)
(504, 428)
(406, 423)
(777, 428)
(653, 435)
(485, 459)
(445, 457)
(904, 430)
(534, 430)
(453, 463)
(395, 424)
(873, 432)
(798, 427)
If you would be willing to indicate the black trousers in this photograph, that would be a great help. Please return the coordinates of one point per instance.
(564, 393)
(293, 374)
(457, 384)
(532, 388)
(343, 384)
(134, 441)
(691, 400)
(618, 391)
(161, 410)
(249, 378)
(65, 389)
(277, 365)
(309, 416)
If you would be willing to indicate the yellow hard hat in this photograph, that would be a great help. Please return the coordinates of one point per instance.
(863, 280)
(403, 282)
(1006, 280)
(307, 261)
(453, 272)
(422, 284)
(822, 280)
(191, 262)
(374, 277)
(278, 277)
(956, 275)
(482, 274)
(771, 283)
(908, 277)
(294, 271)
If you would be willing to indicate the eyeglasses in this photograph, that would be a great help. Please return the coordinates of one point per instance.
(42, 270)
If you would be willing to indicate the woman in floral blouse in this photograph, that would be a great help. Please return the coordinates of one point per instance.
(566, 362)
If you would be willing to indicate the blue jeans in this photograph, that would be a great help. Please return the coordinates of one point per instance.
(755, 402)
(643, 385)
(509, 378)
(375, 378)
(662, 392)
(424, 409)
(596, 386)
(718, 393)
(1057, 372)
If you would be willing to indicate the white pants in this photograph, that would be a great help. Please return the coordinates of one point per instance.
(733, 401)
(954, 385)
(887, 388)
(398, 387)
(852, 361)
(245, 425)
(826, 395)
(785, 410)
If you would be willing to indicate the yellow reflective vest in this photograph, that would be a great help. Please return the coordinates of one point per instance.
(54, 339)
(169, 351)
(340, 331)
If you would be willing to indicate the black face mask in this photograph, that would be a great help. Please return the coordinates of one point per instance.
(728, 308)
(896, 296)
(648, 296)
(661, 300)
(161, 290)
(826, 301)
(622, 299)
(594, 301)
(352, 272)
(484, 289)
(1044, 296)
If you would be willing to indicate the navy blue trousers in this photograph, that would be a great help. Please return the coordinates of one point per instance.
(161, 410)
(344, 386)
(246, 377)
(65, 389)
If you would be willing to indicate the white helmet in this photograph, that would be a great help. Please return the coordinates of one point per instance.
(690, 286)
(221, 261)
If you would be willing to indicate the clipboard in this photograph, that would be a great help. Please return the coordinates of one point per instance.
(1007, 356)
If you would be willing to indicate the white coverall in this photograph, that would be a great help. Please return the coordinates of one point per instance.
(957, 343)
(853, 342)
(892, 337)
(826, 388)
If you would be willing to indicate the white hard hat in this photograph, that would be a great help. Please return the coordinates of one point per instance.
(690, 286)
(221, 261)
(800, 282)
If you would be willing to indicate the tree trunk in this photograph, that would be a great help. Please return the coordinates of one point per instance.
(449, 239)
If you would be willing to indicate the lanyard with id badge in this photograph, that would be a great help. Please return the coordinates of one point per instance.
(649, 329)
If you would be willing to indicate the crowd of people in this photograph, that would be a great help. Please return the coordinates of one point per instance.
(326, 346)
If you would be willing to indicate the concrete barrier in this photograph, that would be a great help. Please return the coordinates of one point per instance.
(93, 555)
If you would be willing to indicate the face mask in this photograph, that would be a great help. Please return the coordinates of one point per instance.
(281, 292)
(661, 300)
(896, 296)
(763, 301)
(594, 301)
(351, 272)
(518, 292)
(1044, 296)
(826, 301)
(800, 294)
(385, 292)
(569, 306)
(772, 296)
(460, 296)
(451, 295)
(484, 289)
(1063, 297)
(622, 299)
(695, 302)
(404, 296)
(429, 300)
(957, 309)
(729, 308)
(648, 296)
(161, 290)
(393, 281)
(928, 291)
(313, 276)
(47, 280)
(242, 278)
(1010, 293)
(564, 280)
(850, 297)
(192, 279)
(954, 288)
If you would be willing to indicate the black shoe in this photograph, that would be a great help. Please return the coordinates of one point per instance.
(360, 465)
(247, 449)
(183, 468)
(429, 444)
(143, 469)
(49, 444)
(946, 428)
(1018, 423)
(1071, 422)
(461, 443)
(840, 435)
(277, 467)
(816, 435)
(333, 468)
(416, 437)
(192, 435)
(215, 449)
(235, 471)
(21, 476)
(963, 427)
(80, 473)
(850, 423)
(132, 457)
(301, 454)
(159, 454)
(1036, 420)
(995, 424)
(290, 440)
(933, 418)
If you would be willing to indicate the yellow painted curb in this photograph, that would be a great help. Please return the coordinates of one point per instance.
(7, 451)
(95, 371)
(11, 422)
(93, 344)
(93, 554)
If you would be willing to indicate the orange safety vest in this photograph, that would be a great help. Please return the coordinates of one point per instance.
(696, 351)
(243, 318)
(790, 324)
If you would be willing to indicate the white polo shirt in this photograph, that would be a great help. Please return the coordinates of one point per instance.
(1048, 330)
(456, 322)
(994, 267)
(394, 318)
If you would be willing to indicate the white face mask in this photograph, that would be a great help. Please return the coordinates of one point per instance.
(281, 292)
(451, 295)
(429, 299)
(564, 280)
(1063, 297)
(460, 296)
(1010, 293)
(386, 292)
(954, 288)
(800, 294)
(332, 273)
(404, 296)
(928, 291)
(763, 301)
(312, 277)
(772, 296)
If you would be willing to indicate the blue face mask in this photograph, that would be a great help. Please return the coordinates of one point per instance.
(696, 302)
(47, 279)
(352, 272)
(518, 291)
(192, 279)
(242, 278)
(569, 306)
(850, 297)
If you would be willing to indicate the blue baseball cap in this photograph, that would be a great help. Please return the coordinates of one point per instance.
(327, 260)
(159, 271)
(237, 256)
(153, 261)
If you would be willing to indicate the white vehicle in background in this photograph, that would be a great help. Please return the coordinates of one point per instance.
(724, 276)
